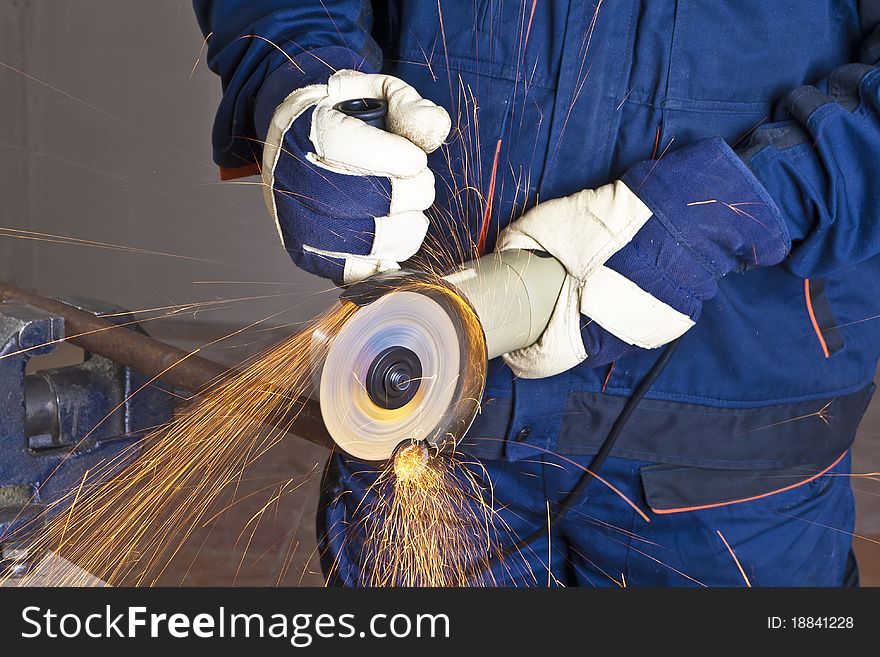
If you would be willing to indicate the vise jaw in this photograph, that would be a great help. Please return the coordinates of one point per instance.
(59, 424)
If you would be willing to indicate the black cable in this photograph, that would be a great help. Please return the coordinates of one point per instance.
(605, 449)
(617, 429)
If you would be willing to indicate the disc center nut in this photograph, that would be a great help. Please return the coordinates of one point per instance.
(399, 380)
(394, 378)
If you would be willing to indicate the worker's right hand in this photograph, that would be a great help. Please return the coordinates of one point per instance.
(348, 199)
(642, 254)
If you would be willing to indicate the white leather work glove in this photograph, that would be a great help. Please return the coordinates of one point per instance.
(643, 253)
(348, 198)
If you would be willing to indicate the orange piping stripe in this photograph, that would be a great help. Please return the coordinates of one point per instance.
(750, 499)
(813, 318)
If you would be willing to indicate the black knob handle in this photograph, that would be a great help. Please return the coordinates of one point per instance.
(368, 110)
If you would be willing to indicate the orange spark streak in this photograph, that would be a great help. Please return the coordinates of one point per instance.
(487, 213)
(733, 554)
(199, 58)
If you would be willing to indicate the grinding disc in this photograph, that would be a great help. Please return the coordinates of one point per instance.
(448, 393)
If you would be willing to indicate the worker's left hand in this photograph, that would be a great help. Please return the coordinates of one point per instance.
(642, 254)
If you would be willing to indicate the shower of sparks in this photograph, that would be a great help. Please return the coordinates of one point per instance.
(410, 462)
(428, 523)
(429, 518)
(128, 518)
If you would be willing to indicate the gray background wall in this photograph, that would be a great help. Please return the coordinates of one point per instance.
(133, 169)
(111, 143)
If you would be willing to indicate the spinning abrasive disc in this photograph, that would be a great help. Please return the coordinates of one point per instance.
(409, 366)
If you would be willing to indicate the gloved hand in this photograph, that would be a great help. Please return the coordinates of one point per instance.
(642, 254)
(348, 198)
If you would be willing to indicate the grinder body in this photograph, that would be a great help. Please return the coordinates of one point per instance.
(410, 364)
(513, 294)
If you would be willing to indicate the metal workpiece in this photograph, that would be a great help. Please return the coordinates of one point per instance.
(130, 348)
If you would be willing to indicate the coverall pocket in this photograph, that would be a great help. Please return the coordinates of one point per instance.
(485, 37)
(672, 489)
(743, 55)
(732, 61)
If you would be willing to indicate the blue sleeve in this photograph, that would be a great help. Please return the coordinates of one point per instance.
(248, 40)
(821, 163)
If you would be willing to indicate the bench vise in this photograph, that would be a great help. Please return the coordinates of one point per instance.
(58, 424)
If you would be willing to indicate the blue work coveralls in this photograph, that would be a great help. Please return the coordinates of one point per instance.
(738, 445)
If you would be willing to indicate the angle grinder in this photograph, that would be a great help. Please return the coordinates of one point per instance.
(410, 363)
